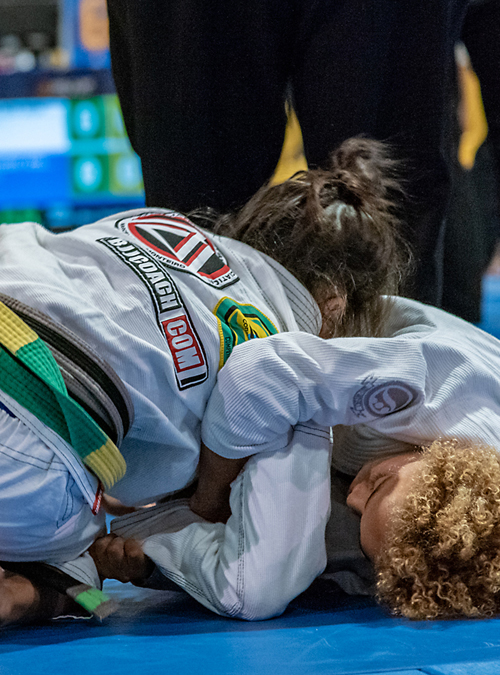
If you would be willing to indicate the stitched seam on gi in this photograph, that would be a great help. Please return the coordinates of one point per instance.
(72, 566)
(25, 458)
(301, 303)
(69, 502)
(240, 577)
(312, 431)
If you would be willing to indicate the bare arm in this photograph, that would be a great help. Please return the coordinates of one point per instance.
(22, 601)
(216, 473)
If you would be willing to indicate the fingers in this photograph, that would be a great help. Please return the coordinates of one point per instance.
(122, 559)
(108, 556)
(114, 507)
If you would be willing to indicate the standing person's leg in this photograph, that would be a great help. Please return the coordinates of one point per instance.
(412, 117)
(378, 68)
(473, 226)
(202, 89)
(338, 72)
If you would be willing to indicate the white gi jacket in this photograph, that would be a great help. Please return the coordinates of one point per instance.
(435, 376)
(163, 303)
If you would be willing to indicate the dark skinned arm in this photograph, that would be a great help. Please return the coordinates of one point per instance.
(216, 473)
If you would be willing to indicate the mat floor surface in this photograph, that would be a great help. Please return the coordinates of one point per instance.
(156, 632)
(322, 632)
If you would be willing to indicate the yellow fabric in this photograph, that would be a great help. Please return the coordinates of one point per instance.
(30, 374)
(108, 463)
(292, 157)
(14, 333)
(475, 128)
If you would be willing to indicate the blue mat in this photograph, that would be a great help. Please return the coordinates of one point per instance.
(168, 632)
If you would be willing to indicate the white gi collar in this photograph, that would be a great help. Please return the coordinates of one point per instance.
(305, 308)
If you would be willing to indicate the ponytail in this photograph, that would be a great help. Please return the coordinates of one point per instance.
(336, 231)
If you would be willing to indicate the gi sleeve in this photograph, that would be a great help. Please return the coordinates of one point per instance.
(273, 545)
(268, 386)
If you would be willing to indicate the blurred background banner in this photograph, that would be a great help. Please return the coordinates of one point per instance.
(67, 161)
(85, 33)
(65, 158)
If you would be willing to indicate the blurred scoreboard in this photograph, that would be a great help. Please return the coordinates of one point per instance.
(85, 33)
(63, 157)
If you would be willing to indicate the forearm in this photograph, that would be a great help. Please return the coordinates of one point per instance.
(215, 475)
(22, 601)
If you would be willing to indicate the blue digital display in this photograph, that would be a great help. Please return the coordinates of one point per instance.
(62, 154)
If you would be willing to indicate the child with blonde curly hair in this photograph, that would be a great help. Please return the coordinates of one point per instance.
(441, 552)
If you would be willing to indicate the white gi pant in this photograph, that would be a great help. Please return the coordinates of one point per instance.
(273, 545)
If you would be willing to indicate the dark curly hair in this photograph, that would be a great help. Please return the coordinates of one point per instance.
(441, 558)
(336, 231)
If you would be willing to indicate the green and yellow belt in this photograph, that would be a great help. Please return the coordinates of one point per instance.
(31, 376)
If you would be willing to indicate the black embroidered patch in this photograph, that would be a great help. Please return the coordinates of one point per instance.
(380, 400)
(188, 355)
(175, 242)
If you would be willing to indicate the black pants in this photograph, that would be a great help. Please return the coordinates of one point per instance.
(202, 88)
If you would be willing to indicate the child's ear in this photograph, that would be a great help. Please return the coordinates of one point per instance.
(332, 310)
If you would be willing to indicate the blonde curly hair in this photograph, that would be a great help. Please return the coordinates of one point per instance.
(442, 553)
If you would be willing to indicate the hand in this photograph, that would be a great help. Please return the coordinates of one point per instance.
(121, 559)
(19, 598)
(114, 507)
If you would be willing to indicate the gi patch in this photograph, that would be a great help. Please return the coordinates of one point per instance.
(174, 241)
(187, 352)
(238, 323)
(382, 399)
(190, 363)
(158, 281)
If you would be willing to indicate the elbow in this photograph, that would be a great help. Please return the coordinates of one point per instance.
(261, 601)
(260, 608)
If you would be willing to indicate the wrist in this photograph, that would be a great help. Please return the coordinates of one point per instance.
(148, 569)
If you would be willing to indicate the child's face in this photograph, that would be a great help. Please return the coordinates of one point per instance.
(378, 488)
